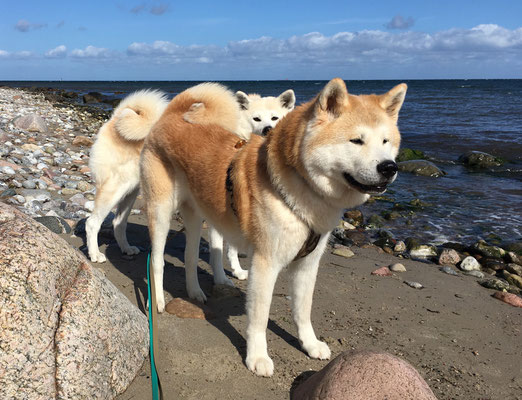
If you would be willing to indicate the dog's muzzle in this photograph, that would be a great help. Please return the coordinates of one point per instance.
(266, 129)
(387, 168)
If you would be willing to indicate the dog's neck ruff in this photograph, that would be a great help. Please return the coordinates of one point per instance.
(309, 244)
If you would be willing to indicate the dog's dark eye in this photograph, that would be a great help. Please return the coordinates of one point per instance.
(357, 141)
(275, 118)
(385, 141)
(257, 119)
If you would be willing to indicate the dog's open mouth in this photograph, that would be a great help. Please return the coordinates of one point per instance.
(368, 189)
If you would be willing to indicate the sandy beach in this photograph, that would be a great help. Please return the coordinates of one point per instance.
(465, 343)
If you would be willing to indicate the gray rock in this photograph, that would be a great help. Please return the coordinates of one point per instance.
(71, 333)
(5, 194)
(6, 169)
(31, 123)
(54, 224)
(421, 167)
(470, 264)
(514, 268)
(29, 184)
(415, 285)
(478, 159)
(495, 284)
(449, 270)
(475, 273)
(41, 184)
(363, 375)
(78, 198)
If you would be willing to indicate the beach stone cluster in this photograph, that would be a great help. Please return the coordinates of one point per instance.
(66, 331)
(44, 155)
(494, 267)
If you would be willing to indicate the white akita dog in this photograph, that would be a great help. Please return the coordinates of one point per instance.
(258, 115)
(280, 196)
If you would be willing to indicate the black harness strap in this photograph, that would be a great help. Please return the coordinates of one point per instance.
(230, 187)
(309, 244)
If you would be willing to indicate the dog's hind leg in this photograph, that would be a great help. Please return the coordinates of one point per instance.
(216, 257)
(120, 223)
(303, 274)
(192, 222)
(259, 297)
(107, 197)
(233, 259)
(160, 199)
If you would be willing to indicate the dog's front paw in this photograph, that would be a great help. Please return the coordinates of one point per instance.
(240, 274)
(197, 294)
(97, 257)
(131, 250)
(318, 350)
(261, 366)
(224, 281)
(160, 305)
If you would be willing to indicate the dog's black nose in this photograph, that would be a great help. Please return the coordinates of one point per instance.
(266, 129)
(387, 168)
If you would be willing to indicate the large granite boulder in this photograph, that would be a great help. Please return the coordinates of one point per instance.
(363, 375)
(66, 332)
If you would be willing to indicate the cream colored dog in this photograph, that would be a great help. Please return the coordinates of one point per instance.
(280, 197)
(114, 162)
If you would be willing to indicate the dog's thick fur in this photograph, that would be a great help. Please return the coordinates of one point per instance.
(114, 163)
(258, 115)
(324, 156)
(114, 158)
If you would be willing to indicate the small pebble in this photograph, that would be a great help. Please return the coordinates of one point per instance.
(449, 271)
(383, 271)
(415, 285)
(343, 252)
(398, 267)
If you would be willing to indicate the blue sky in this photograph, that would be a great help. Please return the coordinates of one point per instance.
(236, 40)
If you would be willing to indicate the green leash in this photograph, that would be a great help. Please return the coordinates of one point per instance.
(157, 393)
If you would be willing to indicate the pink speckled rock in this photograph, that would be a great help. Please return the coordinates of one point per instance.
(383, 271)
(365, 375)
(508, 298)
(66, 332)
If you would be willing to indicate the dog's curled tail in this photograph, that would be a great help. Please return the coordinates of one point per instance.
(211, 103)
(138, 112)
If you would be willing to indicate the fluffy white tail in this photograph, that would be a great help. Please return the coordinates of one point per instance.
(138, 112)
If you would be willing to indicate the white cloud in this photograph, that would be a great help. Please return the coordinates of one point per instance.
(154, 9)
(26, 26)
(57, 52)
(91, 52)
(4, 54)
(399, 22)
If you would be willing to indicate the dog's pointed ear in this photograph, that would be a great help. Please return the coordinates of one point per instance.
(242, 99)
(334, 97)
(287, 99)
(392, 101)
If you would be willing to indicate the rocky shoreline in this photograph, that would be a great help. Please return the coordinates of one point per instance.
(45, 136)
